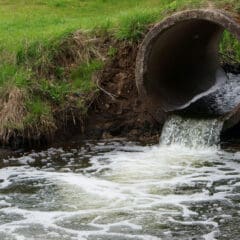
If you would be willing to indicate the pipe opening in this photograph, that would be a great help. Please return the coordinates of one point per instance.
(178, 65)
(183, 63)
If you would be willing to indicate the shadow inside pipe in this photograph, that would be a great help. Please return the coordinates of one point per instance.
(193, 69)
(183, 63)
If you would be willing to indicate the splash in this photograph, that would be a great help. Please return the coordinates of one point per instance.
(193, 133)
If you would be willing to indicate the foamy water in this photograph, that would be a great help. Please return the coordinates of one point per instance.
(191, 133)
(121, 190)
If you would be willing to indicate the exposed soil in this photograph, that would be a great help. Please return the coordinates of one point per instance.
(118, 110)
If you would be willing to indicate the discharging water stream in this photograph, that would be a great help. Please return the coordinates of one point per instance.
(119, 190)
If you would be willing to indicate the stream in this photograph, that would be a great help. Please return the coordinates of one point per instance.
(116, 189)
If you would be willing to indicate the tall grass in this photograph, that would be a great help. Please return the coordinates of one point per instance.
(10, 73)
(132, 26)
(81, 76)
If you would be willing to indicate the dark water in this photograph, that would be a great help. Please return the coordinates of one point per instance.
(227, 96)
(219, 100)
(121, 190)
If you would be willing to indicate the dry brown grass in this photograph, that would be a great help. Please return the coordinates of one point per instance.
(72, 50)
(16, 119)
(12, 112)
(78, 48)
(45, 127)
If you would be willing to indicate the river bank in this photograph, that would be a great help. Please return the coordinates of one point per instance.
(82, 83)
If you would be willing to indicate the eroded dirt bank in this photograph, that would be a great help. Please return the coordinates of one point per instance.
(115, 109)
(110, 107)
(118, 110)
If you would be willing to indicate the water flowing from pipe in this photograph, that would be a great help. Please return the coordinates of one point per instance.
(192, 133)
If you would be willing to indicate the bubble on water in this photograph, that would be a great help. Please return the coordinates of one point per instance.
(123, 192)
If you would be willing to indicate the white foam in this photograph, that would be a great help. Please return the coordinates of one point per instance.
(129, 190)
(191, 133)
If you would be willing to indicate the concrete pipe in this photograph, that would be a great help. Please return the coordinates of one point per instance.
(178, 64)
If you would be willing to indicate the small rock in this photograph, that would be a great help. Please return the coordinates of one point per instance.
(133, 132)
(106, 135)
(107, 106)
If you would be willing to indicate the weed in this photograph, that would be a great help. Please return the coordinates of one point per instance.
(54, 91)
(132, 26)
(82, 76)
(37, 108)
(15, 75)
(229, 48)
(112, 51)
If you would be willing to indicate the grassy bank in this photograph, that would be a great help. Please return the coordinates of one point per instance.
(47, 65)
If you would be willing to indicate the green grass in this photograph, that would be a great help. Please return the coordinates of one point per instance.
(39, 20)
(18, 76)
(42, 20)
(230, 48)
(54, 91)
(132, 26)
(32, 33)
(37, 109)
(81, 76)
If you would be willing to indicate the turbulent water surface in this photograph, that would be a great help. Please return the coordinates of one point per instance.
(184, 188)
(121, 190)
(191, 133)
(220, 99)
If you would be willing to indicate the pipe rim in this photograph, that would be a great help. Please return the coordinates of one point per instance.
(218, 17)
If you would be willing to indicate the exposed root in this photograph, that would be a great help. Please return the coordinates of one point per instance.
(111, 95)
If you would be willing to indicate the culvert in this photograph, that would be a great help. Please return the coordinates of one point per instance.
(178, 66)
